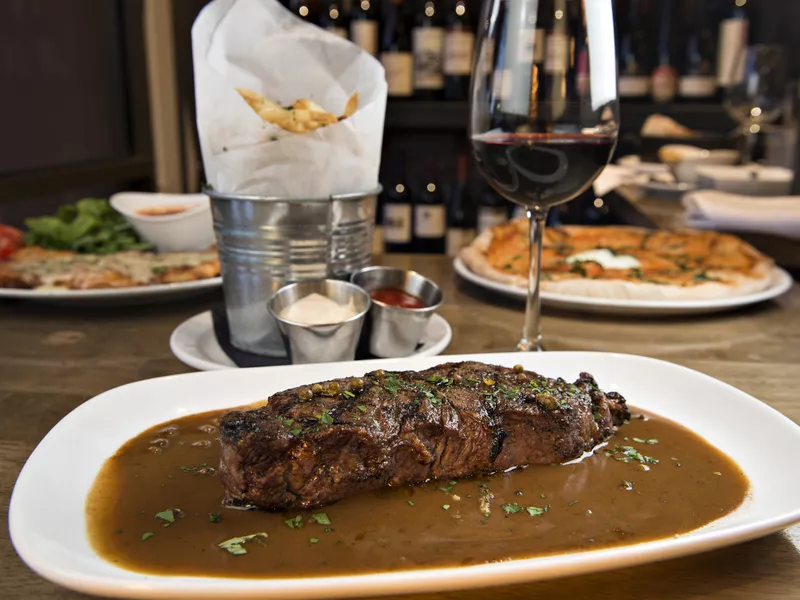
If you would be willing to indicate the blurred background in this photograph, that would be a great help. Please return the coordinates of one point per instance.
(98, 95)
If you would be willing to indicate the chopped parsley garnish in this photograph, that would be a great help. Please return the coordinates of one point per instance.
(717, 473)
(361, 407)
(321, 518)
(628, 485)
(447, 490)
(235, 545)
(167, 515)
(215, 517)
(446, 506)
(639, 441)
(630, 453)
(294, 522)
(652, 441)
(392, 384)
(192, 468)
(147, 536)
(159, 270)
(511, 508)
(324, 417)
(536, 511)
(410, 503)
(432, 398)
(348, 394)
(435, 379)
(573, 503)
(313, 540)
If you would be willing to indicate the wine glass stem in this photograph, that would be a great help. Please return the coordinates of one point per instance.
(532, 330)
(750, 140)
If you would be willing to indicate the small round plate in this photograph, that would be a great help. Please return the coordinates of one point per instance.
(194, 343)
(781, 283)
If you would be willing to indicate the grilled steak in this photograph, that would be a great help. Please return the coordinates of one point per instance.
(314, 445)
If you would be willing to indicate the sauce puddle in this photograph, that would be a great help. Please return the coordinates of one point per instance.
(655, 479)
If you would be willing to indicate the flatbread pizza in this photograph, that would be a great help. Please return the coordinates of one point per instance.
(33, 267)
(623, 262)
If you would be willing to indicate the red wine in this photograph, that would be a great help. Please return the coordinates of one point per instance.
(541, 169)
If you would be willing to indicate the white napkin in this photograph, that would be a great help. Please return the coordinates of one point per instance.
(614, 176)
(711, 209)
(259, 45)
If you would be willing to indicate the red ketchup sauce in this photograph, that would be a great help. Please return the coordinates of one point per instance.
(397, 297)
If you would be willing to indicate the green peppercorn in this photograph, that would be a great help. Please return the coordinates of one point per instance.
(519, 368)
(316, 389)
(333, 388)
(457, 379)
(379, 373)
(356, 384)
(305, 394)
(522, 378)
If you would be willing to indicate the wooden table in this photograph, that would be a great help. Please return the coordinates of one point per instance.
(53, 358)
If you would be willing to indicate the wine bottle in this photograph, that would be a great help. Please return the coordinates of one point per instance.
(459, 41)
(364, 26)
(332, 19)
(460, 219)
(556, 82)
(734, 29)
(396, 210)
(635, 62)
(428, 47)
(664, 79)
(396, 57)
(430, 215)
(697, 81)
(492, 210)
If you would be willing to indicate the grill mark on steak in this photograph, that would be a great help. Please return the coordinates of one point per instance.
(452, 421)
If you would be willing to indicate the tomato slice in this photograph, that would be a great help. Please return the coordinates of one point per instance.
(11, 240)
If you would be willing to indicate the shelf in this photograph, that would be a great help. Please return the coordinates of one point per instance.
(452, 116)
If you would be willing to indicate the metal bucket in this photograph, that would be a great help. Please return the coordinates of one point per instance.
(266, 242)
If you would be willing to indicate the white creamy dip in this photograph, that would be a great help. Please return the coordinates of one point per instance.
(316, 309)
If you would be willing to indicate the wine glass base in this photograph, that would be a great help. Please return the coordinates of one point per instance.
(526, 345)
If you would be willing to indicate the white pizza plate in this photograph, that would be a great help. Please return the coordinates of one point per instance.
(194, 343)
(49, 531)
(780, 283)
(116, 296)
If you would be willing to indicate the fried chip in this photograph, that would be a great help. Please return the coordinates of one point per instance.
(303, 116)
(351, 106)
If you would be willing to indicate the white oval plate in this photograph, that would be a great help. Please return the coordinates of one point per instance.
(194, 343)
(49, 530)
(780, 284)
(115, 296)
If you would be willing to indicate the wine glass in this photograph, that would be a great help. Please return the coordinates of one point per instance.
(543, 111)
(756, 92)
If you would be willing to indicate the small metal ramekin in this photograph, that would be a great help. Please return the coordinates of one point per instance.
(396, 331)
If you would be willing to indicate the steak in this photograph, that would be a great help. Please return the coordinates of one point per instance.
(316, 444)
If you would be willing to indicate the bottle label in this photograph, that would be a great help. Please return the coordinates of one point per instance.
(490, 216)
(428, 44)
(458, 52)
(457, 238)
(397, 223)
(338, 31)
(365, 34)
(697, 86)
(732, 42)
(634, 86)
(429, 221)
(532, 47)
(664, 84)
(557, 57)
(377, 240)
(399, 67)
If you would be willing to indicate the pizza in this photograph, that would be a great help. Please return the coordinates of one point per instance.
(623, 262)
(34, 267)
